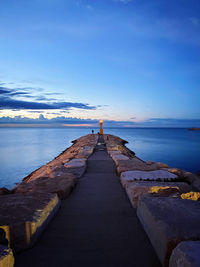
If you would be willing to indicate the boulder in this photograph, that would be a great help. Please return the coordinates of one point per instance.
(136, 190)
(6, 257)
(62, 186)
(157, 175)
(168, 221)
(191, 195)
(186, 254)
(23, 217)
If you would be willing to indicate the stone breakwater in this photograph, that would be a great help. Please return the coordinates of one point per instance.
(167, 204)
(166, 200)
(26, 210)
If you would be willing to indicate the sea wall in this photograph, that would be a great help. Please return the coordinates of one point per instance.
(166, 201)
(26, 210)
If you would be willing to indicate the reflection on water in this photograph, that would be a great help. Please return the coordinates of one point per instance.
(25, 149)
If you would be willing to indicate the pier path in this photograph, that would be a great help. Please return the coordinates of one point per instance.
(96, 225)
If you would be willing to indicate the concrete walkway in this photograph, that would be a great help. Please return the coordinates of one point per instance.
(96, 226)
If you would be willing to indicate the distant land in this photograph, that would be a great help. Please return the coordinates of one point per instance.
(194, 129)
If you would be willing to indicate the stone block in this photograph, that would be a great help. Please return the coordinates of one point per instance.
(186, 254)
(76, 163)
(174, 171)
(157, 175)
(136, 190)
(6, 257)
(117, 158)
(85, 152)
(135, 164)
(168, 221)
(23, 217)
(62, 185)
(115, 152)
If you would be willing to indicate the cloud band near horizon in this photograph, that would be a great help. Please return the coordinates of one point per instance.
(67, 121)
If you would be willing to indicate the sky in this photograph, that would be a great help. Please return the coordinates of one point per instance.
(128, 62)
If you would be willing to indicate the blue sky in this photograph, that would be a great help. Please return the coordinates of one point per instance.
(134, 62)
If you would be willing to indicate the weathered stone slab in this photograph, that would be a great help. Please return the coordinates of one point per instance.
(135, 164)
(117, 158)
(62, 185)
(157, 175)
(62, 171)
(136, 190)
(23, 217)
(6, 257)
(76, 163)
(85, 152)
(168, 221)
(186, 254)
(174, 171)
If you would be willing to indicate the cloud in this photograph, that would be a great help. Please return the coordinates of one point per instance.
(63, 121)
(9, 103)
(10, 99)
(67, 121)
(10, 92)
(43, 98)
(42, 119)
(170, 122)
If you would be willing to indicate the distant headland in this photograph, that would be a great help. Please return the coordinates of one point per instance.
(194, 129)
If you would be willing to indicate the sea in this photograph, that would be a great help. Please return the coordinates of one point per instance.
(22, 150)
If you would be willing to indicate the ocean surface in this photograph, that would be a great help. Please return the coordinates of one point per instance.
(22, 150)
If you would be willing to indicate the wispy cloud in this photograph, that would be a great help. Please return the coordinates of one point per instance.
(9, 103)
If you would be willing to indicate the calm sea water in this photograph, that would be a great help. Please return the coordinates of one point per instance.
(22, 150)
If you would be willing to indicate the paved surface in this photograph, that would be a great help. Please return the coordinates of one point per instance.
(96, 226)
